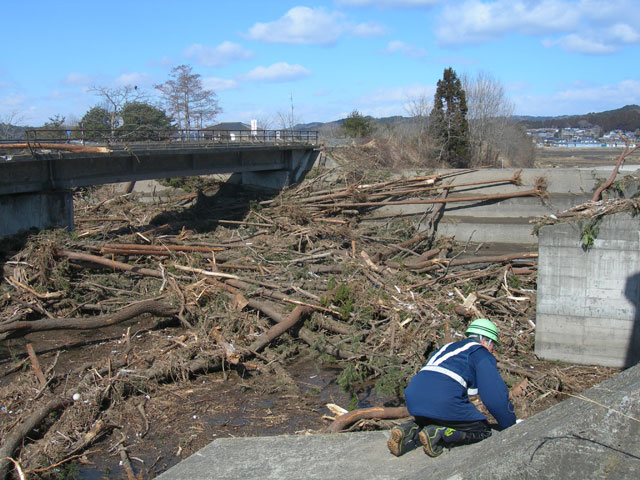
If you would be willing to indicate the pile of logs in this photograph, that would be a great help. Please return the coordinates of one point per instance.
(370, 296)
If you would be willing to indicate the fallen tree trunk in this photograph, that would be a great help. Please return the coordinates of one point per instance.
(105, 262)
(153, 307)
(274, 332)
(304, 334)
(343, 421)
(164, 249)
(536, 192)
(67, 147)
(18, 433)
(472, 260)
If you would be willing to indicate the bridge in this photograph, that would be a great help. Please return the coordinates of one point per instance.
(35, 185)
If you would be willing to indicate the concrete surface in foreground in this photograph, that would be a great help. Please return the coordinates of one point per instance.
(359, 455)
(592, 437)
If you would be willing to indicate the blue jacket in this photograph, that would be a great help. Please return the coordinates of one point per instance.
(441, 389)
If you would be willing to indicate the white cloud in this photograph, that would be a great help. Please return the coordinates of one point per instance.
(390, 3)
(369, 29)
(399, 95)
(590, 27)
(133, 78)
(397, 46)
(304, 26)
(75, 79)
(12, 100)
(579, 99)
(578, 44)
(624, 92)
(219, 55)
(218, 84)
(301, 25)
(624, 33)
(476, 21)
(161, 62)
(278, 72)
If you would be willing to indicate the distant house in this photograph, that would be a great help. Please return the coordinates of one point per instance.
(239, 126)
(230, 131)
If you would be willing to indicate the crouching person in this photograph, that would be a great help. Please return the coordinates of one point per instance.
(438, 395)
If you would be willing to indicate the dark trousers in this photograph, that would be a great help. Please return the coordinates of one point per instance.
(470, 432)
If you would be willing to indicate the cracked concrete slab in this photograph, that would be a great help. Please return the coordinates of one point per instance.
(595, 435)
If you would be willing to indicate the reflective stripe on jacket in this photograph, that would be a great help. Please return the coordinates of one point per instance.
(443, 354)
(442, 387)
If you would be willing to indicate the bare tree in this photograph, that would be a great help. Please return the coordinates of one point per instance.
(115, 98)
(265, 122)
(489, 116)
(7, 123)
(419, 109)
(185, 98)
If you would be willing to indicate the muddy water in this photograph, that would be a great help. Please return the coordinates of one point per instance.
(186, 416)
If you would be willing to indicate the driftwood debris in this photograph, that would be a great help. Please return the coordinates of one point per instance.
(67, 147)
(296, 276)
(343, 421)
(153, 307)
(628, 150)
(15, 437)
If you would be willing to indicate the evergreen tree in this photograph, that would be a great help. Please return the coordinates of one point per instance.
(356, 125)
(54, 129)
(448, 121)
(141, 121)
(96, 124)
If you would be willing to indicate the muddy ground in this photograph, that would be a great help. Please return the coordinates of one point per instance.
(548, 157)
(386, 311)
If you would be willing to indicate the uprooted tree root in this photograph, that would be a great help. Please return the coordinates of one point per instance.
(305, 272)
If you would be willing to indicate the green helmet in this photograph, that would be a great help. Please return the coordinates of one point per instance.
(483, 327)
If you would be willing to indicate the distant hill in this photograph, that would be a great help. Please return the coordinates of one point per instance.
(12, 132)
(626, 118)
(397, 119)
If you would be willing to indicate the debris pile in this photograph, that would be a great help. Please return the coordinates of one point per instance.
(216, 281)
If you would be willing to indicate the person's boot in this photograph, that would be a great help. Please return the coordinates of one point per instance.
(403, 438)
(474, 437)
(432, 439)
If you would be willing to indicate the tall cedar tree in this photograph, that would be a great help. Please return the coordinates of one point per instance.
(448, 121)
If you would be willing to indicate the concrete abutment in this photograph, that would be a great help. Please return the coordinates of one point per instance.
(588, 300)
(22, 211)
(33, 189)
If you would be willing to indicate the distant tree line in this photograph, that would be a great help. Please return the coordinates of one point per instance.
(126, 112)
(626, 118)
(468, 123)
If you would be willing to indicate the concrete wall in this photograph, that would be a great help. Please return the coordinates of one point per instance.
(506, 221)
(588, 302)
(22, 211)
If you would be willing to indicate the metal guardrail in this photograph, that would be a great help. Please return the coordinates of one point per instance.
(174, 137)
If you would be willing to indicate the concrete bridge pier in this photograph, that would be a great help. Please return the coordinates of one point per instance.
(297, 164)
(22, 211)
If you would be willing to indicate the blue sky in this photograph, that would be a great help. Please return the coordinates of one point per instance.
(330, 57)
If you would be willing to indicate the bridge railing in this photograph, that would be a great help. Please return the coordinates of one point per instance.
(174, 137)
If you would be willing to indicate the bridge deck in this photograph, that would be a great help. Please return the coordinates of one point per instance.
(56, 170)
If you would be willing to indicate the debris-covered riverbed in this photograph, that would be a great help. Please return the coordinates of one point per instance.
(159, 325)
